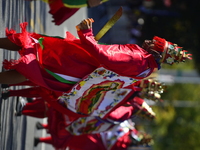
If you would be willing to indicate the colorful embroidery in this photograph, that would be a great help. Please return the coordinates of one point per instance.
(98, 93)
(110, 137)
(88, 125)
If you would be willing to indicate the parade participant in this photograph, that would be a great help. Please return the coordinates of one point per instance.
(121, 137)
(63, 135)
(56, 63)
(115, 67)
(58, 123)
(125, 133)
(101, 113)
(61, 10)
(148, 88)
(35, 104)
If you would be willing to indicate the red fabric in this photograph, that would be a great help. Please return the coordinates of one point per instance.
(62, 138)
(122, 143)
(28, 92)
(122, 113)
(63, 14)
(59, 12)
(51, 98)
(86, 142)
(27, 83)
(94, 142)
(45, 126)
(76, 58)
(57, 122)
(55, 5)
(56, 127)
(58, 119)
(138, 100)
(47, 140)
(73, 61)
(37, 109)
(126, 60)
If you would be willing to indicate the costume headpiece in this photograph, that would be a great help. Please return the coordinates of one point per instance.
(151, 89)
(170, 52)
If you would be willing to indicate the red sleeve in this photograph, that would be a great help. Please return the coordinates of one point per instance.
(87, 37)
(126, 60)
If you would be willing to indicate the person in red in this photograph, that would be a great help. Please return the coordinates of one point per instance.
(35, 104)
(122, 137)
(62, 132)
(133, 109)
(58, 124)
(57, 63)
(39, 109)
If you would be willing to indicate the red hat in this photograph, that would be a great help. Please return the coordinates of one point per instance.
(170, 52)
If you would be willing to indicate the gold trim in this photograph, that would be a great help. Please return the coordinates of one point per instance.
(78, 6)
(75, 6)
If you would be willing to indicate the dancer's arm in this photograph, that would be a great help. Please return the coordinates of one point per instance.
(5, 43)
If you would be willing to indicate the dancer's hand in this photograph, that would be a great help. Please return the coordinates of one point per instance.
(85, 24)
(148, 45)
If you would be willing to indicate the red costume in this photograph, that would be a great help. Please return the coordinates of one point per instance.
(64, 134)
(62, 138)
(73, 57)
(38, 108)
(120, 137)
(42, 57)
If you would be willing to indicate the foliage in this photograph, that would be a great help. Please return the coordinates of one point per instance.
(177, 126)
